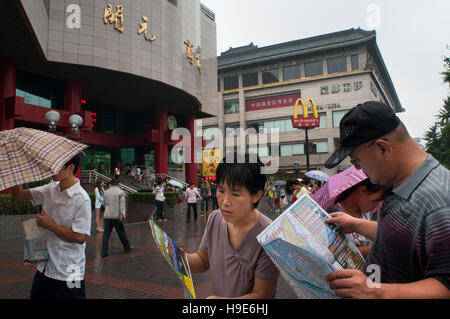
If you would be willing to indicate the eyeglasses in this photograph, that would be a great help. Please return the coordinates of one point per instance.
(355, 161)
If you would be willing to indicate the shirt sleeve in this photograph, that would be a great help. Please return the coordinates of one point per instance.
(122, 204)
(437, 238)
(82, 220)
(205, 239)
(38, 194)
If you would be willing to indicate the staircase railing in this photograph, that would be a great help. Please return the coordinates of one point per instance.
(89, 176)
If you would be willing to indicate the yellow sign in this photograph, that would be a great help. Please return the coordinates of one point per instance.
(305, 108)
(305, 121)
(210, 159)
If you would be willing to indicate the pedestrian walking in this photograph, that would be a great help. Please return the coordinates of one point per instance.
(99, 207)
(66, 217)
(205, 192)
(159, 199)
(239, 266)
(191, 200)
(115, 213)
(411, 239)
(214, 203)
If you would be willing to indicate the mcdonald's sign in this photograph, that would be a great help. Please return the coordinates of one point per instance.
(305, 120)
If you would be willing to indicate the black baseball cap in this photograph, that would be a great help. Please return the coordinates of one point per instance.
(363, 123)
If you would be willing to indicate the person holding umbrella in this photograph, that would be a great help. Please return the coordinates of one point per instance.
(66, 217)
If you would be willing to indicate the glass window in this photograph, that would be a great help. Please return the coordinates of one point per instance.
(337, 117)
(209, 132)
(232, 129)
(323, 120)
(218, 84)
(289, 127)
(231, 107)
(292, 149)
(281, 125)
(338, 64)
(291, 72)
(314, 68)
(34, 99)
(230, 82)
(254, 125)
(250, 79)
(298, 149)
(322, 147)
(355, 62)
(286, 150)
(270, 76)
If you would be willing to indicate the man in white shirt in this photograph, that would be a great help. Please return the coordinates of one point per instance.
(66, 217)
(191, 200)
(115, 211)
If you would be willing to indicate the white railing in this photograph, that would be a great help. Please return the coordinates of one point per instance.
(89, 176)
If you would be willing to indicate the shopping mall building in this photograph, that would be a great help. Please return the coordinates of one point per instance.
(133, 70)
(258, 87)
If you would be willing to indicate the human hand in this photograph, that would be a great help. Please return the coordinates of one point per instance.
(121, 218)
(345, 221)
(350, 283)
(43, 220)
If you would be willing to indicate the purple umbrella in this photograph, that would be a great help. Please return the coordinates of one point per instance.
(337, 184)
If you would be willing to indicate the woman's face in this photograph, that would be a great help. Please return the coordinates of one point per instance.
(368, 201)
(236, 203)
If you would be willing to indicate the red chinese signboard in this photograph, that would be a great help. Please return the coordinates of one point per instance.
(271, 102)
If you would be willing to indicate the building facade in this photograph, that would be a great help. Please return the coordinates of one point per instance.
(133, 70)
(258, 87)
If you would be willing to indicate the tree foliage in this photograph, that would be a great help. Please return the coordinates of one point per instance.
(437, 138)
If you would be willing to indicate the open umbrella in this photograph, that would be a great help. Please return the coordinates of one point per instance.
(319, 175)
(279, 183)
(29, 155)
(337, 184)
(175, 183)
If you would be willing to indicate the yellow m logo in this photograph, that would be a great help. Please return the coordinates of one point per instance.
(305, 108)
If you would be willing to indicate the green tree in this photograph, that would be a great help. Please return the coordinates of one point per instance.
(437, 138)
(446, 73)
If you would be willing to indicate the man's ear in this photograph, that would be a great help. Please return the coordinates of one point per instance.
(385, 146)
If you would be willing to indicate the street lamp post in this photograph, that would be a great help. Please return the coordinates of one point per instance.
(297, 165)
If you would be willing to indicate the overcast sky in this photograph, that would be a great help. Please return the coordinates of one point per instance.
(412, 36)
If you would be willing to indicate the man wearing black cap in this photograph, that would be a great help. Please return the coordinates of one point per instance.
(410, 257)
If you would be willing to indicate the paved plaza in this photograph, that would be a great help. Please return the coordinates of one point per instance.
(141, 274)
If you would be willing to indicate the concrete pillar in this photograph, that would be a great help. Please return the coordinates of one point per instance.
(161, 151)
(7, 89)
(191, 166)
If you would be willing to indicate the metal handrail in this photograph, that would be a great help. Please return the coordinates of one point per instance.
(93, 175)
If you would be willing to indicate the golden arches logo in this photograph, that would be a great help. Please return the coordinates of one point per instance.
(305, 108)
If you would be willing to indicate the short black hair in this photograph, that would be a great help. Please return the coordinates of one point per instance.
(115, 181)
(76, 161)
(232, 171)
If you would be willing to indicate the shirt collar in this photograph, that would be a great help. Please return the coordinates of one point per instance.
(407, 187)
(72, 189)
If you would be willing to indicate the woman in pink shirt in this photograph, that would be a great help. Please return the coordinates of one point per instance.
(239, 266)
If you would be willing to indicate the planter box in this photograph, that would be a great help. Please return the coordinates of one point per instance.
(140, 212)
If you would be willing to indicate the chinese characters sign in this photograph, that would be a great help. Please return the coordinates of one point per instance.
(271, 102)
